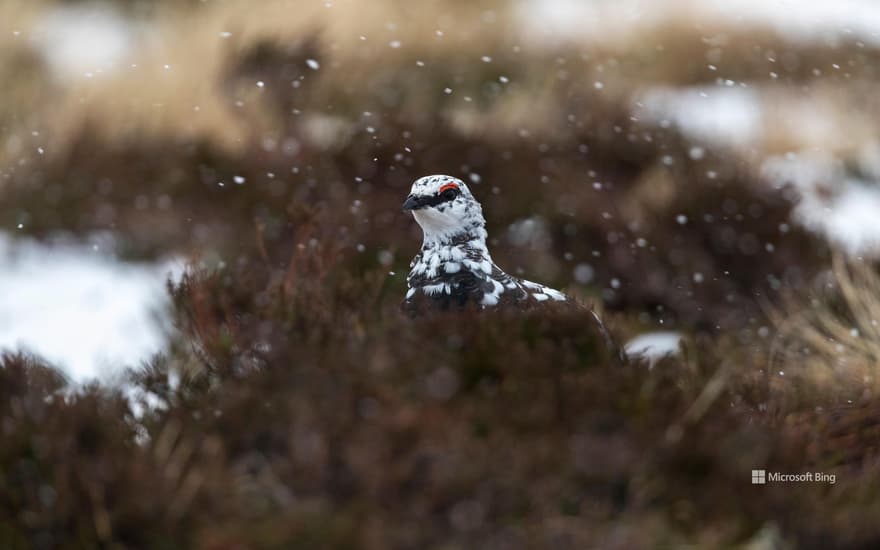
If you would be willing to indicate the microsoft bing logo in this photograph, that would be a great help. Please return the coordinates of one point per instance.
(761, 477)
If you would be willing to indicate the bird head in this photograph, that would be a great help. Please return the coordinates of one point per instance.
(445, 208)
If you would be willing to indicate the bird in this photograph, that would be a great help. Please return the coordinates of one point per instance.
(454, 270)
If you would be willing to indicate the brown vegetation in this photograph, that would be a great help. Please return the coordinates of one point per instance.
(297, 408)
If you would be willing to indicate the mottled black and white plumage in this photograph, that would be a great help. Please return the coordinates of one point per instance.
(454, 268)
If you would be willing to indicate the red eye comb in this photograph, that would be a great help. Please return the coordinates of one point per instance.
(447, 186)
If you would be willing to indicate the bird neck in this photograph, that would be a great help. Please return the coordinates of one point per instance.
(473, 240)
(448, 256)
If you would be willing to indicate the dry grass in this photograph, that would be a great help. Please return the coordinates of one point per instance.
(827, 344)
(194, 98)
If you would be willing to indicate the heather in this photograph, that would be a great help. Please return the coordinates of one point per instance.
(270, 145)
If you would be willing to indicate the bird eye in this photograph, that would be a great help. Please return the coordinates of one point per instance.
(449, 191)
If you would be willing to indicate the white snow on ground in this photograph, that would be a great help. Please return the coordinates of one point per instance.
(83, 41)
(744, 117)
(850, 219)
(723, 116)
(80, 308)
(654, 345)
(803, 20)
(844, 208)
(552, 21)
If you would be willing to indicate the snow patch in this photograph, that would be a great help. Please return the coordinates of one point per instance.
(841, 205)
(554, 21)
(722, 116)
(654, 345)
(83, 41)
(81, 309)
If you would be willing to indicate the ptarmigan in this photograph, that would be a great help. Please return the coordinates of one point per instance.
(454, 268)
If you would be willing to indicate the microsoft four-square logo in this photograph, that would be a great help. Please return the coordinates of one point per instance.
(759, 477)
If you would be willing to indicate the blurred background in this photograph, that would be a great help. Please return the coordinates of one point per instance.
(199, 199)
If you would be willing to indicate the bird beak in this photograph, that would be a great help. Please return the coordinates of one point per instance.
(414, 202)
